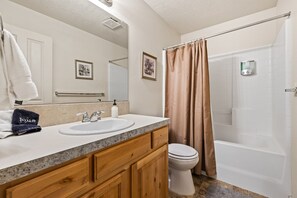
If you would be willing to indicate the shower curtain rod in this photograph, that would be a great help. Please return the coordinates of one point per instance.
(235, 29)
(114, 60)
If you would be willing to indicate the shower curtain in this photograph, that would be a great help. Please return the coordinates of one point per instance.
(187, 102)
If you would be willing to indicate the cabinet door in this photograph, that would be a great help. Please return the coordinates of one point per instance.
(150, 175)
(116, 187)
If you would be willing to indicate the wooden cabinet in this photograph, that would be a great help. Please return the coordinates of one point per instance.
(135, 168)
(58, 183)
(150, 175)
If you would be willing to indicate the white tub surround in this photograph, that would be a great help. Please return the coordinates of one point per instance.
(251, 119)
(23, 155)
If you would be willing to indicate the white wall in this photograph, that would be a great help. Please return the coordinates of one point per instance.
(285, 6)
(148, 33)
(69, 44)
(252, 37)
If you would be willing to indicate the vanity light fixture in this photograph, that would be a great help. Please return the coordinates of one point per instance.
(103, 4)
(107, 2)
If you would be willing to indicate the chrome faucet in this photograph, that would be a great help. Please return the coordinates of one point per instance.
(94, 117)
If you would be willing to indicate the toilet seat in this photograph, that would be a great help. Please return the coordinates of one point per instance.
(182, 152)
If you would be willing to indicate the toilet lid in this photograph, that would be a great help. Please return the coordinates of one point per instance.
(181, 151)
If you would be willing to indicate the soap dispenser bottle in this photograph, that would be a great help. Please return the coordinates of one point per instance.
(114, 110)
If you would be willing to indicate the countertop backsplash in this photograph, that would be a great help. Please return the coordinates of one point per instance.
(53, 114)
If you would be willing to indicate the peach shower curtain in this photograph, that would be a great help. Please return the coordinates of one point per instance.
(187, 102)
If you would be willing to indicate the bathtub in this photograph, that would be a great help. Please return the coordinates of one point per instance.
(250, 161)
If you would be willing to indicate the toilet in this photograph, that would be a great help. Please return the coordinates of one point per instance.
(182, 159)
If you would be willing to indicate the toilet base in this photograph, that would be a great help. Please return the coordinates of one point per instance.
(181, 182)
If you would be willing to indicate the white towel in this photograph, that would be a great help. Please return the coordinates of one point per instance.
(4, 100)
(6, 116)
(17, 72)
(5, 134)
(5, 123)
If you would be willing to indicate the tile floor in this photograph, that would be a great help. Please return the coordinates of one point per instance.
(210, 188)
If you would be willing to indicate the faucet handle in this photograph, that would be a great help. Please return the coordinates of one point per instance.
(96, 116)
(85, 116)
(82, 113)
(100, 112)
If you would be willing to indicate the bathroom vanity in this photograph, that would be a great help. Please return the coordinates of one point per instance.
(127, 163)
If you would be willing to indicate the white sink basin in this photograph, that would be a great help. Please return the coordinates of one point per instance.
(101, 126)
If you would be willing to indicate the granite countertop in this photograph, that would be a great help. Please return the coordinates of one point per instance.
(23, 155)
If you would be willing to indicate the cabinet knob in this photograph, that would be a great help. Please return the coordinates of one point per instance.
(66, 180)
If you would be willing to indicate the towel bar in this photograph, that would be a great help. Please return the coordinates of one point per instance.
(72, 94)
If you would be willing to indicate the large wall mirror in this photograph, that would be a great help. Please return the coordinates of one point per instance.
(77, 51)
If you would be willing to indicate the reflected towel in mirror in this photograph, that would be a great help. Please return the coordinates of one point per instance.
(17, 73)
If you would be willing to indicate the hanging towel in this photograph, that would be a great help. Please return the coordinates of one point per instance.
(17, 72)
(5, 123)
(5, 134)
(24, 121)
(5, 120)
(4, 100)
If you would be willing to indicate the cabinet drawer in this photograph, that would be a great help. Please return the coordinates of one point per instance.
(159, 137)
(118, 158)
(58, 183)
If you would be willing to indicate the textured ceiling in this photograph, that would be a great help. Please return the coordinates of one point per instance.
(189, 15)
(81, 14)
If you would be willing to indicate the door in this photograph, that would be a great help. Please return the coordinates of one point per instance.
(116, 187)
(37, 49)
(150, 175)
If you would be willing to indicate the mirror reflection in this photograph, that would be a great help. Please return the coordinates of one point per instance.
(77, 52)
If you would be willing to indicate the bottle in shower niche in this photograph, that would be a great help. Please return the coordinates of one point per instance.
(114, 110)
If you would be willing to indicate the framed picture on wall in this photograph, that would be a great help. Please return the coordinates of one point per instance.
(83, 70)
(149, 66)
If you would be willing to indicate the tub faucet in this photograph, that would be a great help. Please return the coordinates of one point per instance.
(96, 116)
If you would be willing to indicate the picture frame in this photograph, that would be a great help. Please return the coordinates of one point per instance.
(149, 66)
(83, 70)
